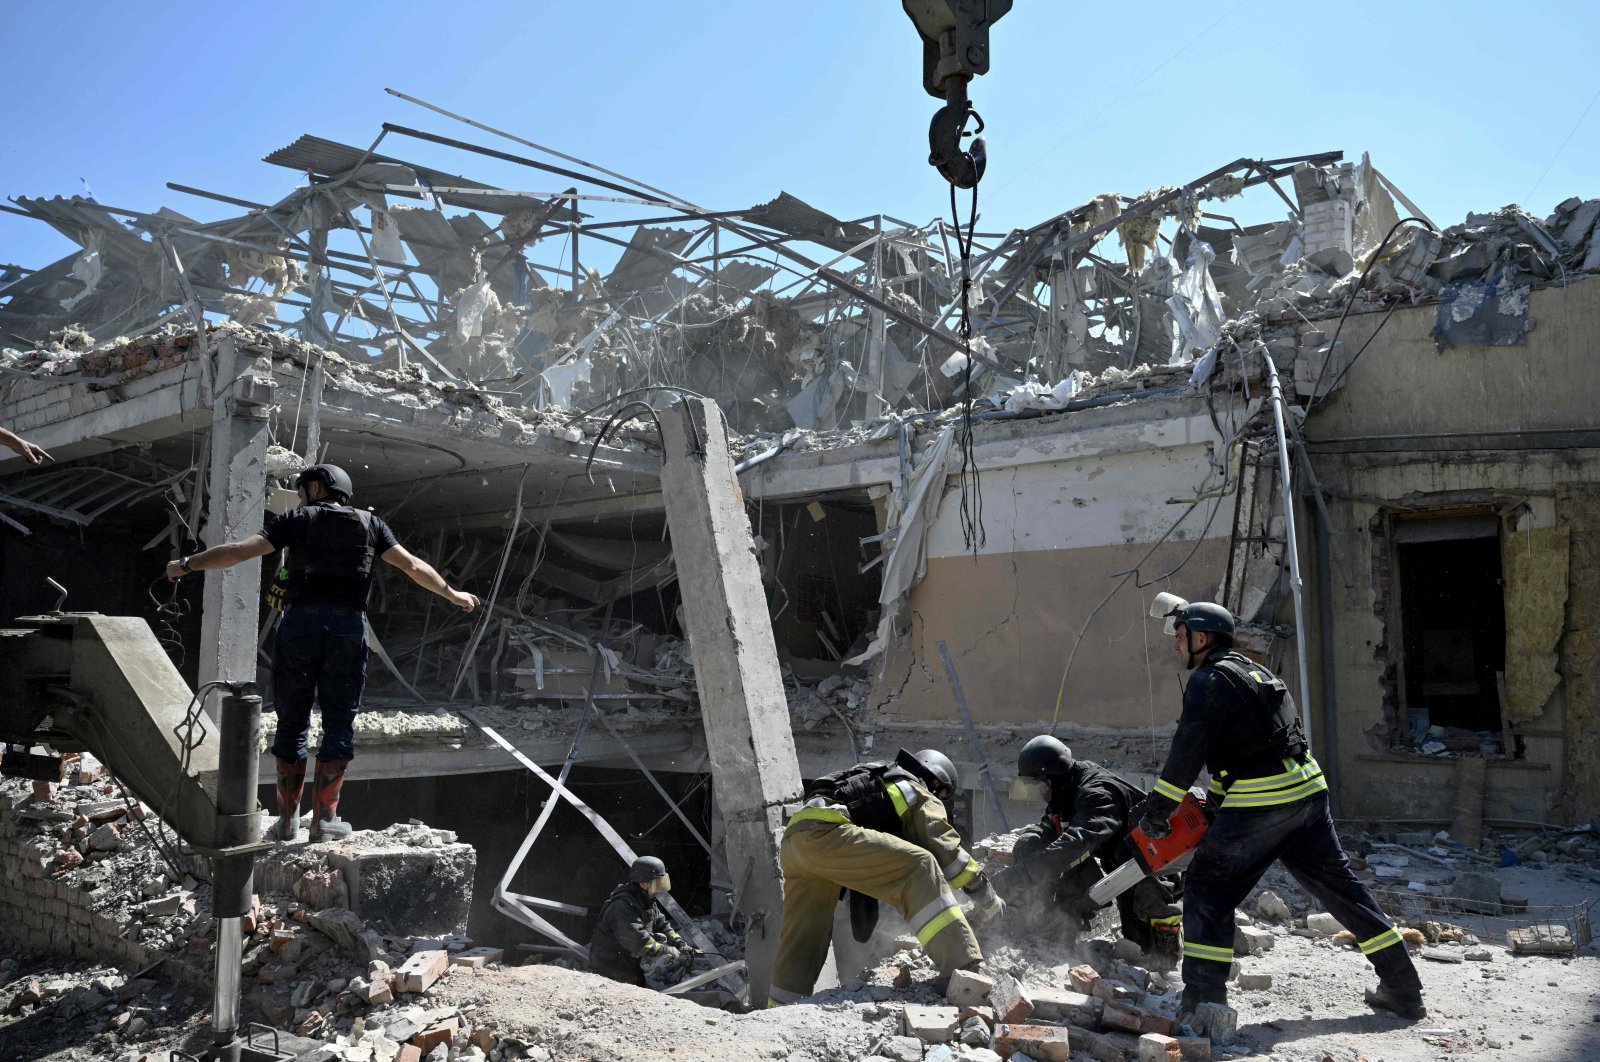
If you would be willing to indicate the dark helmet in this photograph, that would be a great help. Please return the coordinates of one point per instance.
(1043, 756)
(1204, 616)
(332, 477)
(939, 765)
(646, 869)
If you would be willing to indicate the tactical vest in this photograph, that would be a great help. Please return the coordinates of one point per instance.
(337, 545)
(1279, 720)
(864, 792)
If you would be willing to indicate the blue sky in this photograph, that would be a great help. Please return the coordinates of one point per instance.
(1464, 105)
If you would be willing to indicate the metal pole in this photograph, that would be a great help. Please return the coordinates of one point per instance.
(1291, 544)
(1330, 702)
(232, 875)
(972, 738)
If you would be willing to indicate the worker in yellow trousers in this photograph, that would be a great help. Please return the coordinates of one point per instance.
(880, 831)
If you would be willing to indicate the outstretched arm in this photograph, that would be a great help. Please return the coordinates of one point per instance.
(224, 556)
(27, 450)
(424, 575)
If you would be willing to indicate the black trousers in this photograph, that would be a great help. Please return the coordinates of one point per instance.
(1238, 849)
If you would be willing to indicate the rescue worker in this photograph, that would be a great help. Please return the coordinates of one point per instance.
(320, 655)
(633, 929)
(880, 831)
(1083, 835)
(1270, 803)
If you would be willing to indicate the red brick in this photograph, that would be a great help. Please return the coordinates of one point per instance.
(1083, 979)
(1047, 1043)
(409, 1053)
(1011, 1002)
(431, 1037)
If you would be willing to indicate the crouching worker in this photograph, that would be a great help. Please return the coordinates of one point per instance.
(633, 930)
(880, 832)
(1083, 835)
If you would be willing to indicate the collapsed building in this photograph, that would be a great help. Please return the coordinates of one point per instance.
(958, 544)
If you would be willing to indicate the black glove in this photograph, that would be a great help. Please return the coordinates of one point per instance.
(1153, 828)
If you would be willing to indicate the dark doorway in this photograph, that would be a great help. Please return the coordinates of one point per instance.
(1454, 625)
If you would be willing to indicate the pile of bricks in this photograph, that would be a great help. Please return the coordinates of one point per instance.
(1114, 1014)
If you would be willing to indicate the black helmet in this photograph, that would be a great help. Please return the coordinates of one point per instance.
(939, 765)
(1204, 616)
(1043, 756)
(332, 477)
(646, 869)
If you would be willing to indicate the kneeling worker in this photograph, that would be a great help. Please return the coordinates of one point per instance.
(879, 830)
(1083, 836)
(632, 927)
(1241, 724)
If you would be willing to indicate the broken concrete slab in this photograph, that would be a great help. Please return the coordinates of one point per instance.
(1547, 939)
(931, 1025)
(969, 988)
(420, 971)
(1219, 1022)
(1323, 924)
(1251, 940)
(1065, 1005)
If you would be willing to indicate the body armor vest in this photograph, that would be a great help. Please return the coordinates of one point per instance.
(863, 790)
(1281, 733)
(337, 545)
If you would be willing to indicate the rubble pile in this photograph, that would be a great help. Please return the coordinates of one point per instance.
(72, 352)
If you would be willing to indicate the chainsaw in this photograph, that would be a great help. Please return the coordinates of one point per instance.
(1156, 855)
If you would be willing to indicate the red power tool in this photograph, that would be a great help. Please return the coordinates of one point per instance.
(1155, 855)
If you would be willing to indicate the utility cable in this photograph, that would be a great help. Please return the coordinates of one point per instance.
(968, 477)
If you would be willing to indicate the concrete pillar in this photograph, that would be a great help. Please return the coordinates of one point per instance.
(237, 483)
(742, 703)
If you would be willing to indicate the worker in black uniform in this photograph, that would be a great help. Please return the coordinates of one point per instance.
(878, 831)
(1270, 802)
(320, 655)
(1083, 836)
(633, 929)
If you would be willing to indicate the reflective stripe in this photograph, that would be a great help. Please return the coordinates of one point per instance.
(1296, 783)
(1174, 920)
(1278, 796)
(1192, 950)
(956, 865)
(1216, 788)
(1295, 773)
(1080, 859)
(651, 946)
(1382, 940)
(832, 814)
(967, 876)
(904, 796)
(776, 996)
(931, 930)
(1168, 790)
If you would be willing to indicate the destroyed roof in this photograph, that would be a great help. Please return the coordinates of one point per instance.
(785, 314)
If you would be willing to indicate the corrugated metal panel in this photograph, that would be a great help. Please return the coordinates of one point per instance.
(329, 158)
(640, 266)
(799, 218)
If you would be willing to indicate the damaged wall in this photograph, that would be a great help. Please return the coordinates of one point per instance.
(1501, 432)
(1059, 534)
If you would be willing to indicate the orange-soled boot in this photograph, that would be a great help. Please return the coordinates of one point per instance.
(325, 821)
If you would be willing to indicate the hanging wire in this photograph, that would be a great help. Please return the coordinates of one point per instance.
(967, 478)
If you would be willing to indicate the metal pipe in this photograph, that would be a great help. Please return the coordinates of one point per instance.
(1286, 484)
(1330, 699)
(232, 874)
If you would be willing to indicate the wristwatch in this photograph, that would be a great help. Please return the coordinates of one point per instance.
(183, 562)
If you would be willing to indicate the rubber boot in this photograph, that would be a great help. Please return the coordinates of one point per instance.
(325, 821)
(291, 785)
(1403, 1002)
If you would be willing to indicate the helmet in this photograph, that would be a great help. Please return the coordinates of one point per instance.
(1204, 616)
(334, 478)
(938, 764)
(1044, 755)
(646, 869)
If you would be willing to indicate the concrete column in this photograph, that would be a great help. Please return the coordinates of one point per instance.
(234, 510)
(742, 703)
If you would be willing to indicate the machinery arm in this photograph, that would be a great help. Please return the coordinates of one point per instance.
(955, 49)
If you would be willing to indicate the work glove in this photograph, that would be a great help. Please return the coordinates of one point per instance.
(1019, 876)
(668, 955)
(987, 906)
(1153, 828)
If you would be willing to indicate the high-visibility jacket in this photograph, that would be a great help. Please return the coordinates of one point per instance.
(1240, 723)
